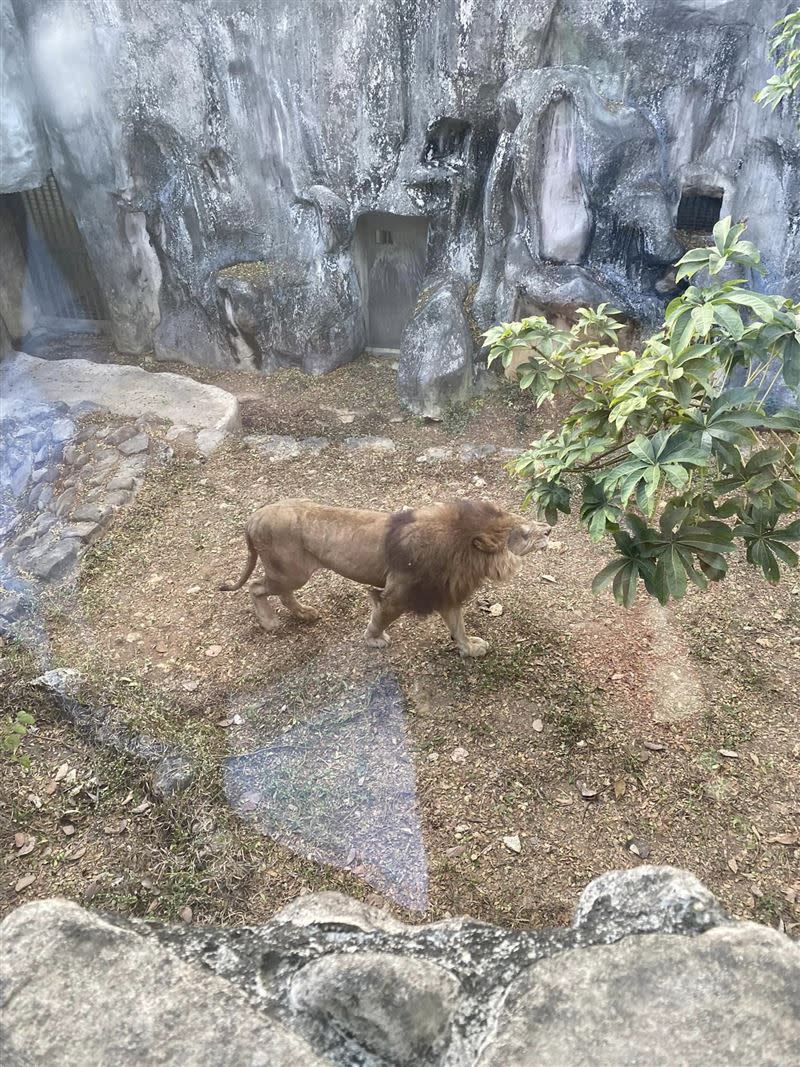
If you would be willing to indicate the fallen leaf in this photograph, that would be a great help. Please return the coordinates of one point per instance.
(232, 720)
(587, 792)
(62, 772)
(194, 589)
(734, 866)
(547, 578)
(140, 809)
(764, 642)
(162, 648)
(459, 755)
(537, 725)
(617, 677)
(50, 788)
(67, 829)
(117, 827)
(19, 840)
(36, 801)
(495, 609)
(654, 746)
(27, 848)
(186, 914)
(23, 883)
(456, 850)
(784, 839)
(638, 847)
(728, 753)
(190, 685)
(213, 650)
(513, 843)
(620, 786)
(75, 854)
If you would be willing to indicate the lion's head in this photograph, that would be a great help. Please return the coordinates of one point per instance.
(445, 552)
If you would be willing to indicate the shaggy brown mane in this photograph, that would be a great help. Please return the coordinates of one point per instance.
(449, 550)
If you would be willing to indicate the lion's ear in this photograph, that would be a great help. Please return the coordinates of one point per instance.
(491, 542)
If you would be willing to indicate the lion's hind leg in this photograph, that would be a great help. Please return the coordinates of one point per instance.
(264, 608)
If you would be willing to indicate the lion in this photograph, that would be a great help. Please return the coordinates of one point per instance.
(419, 561)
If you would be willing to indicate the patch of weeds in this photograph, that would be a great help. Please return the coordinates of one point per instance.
(767, 909)
(457, 417)
(13, 731)
(574, 723)
(726, 726)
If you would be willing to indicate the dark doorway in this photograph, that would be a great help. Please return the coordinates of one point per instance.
(59, 272)
(699, 212)
(390, 254)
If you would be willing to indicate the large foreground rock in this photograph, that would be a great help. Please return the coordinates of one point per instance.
(652, 972)
(27, 381)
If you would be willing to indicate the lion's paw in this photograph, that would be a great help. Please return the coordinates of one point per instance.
(381, 641)
(307, 615)
(476, 647)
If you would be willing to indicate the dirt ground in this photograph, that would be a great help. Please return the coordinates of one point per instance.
(591, 737)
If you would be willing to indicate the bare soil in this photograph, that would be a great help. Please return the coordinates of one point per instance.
(600, 737)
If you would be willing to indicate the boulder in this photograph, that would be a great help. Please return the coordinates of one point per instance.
(122, 390)
(436, 352)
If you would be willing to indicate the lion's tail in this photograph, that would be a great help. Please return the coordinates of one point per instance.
(249, 567)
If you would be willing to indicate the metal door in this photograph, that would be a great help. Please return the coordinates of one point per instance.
(390, 254)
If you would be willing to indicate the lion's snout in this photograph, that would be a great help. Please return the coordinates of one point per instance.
(531, 537)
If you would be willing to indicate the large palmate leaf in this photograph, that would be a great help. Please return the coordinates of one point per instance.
(667, 455)
(598, 510)
(768, 545)
(625, 571)
(684, 549)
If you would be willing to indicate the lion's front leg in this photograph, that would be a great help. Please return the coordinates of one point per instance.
(467, 646)
(385, 610)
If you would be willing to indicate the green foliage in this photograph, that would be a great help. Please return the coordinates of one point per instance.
(785, 47)
(12, 734)
(667, 458)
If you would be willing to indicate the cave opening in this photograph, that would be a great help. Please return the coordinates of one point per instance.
(390, 254)
(55, 269)
(444, 140)
(698, 211)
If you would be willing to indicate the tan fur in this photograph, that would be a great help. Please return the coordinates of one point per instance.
(430, 559)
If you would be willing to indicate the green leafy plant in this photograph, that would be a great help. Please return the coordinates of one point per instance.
(666, 456)
(12, 734)
(785, 48)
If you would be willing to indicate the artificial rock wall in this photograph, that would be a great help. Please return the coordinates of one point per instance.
(545, 142)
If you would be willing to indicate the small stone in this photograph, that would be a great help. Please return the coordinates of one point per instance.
(62, 429)
(91, 513)
(122, 481)
(50, 561)
(435, 455)
(513, 843)
(84, 531)
(135, 445)
(118, 499)
(121, 434)
(369, 444)
(64, 502)
(459, 755)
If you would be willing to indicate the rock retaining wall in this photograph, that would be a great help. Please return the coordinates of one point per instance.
(652, 971)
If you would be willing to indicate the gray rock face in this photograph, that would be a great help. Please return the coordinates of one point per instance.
(332, 981)
(224, 162)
